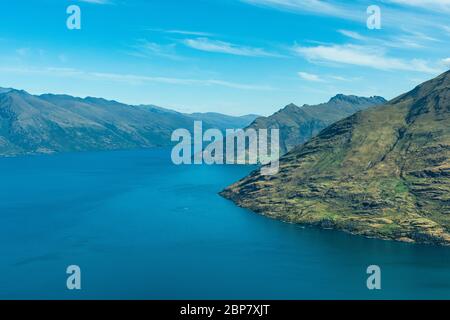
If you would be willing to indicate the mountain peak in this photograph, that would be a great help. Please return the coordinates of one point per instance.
(290, 106)
(5, 90)
(339, 98)
(12, 90)
(342, 97)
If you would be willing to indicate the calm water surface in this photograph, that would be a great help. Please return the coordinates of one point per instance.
(142, 228)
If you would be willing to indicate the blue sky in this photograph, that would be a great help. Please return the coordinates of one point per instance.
(229, 56)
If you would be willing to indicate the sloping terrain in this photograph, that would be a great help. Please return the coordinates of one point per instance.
(49, 123)
(383, 172)
(299, 124)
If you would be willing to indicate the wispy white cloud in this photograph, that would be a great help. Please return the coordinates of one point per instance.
(184, 32)
(29, 53)
(310, 77)
(131, 79)
(136, 79)
(97, 1)
(446, 29)
(205, 44)
(345, 79)
(325, 78)
(364, 56)
(319, 7)
(412, 39)
(146, 49)
(435, 5)
(353, 35)
(394, 12)
(404, 39)
(446, 62)
(420, 35)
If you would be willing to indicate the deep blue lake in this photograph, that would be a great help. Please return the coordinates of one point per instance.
(142, 228)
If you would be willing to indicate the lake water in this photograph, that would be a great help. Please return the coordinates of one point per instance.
(142, 228)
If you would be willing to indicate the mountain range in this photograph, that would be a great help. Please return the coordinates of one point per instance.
(49, 123)
(383, 172)
(299, 124)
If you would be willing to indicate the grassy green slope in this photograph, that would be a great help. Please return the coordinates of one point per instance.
(383, 172)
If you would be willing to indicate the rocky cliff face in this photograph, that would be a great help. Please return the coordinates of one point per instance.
(383, 172)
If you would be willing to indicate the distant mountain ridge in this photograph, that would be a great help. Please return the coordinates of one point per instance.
(299, 124)
(383, 172)
(50, 123)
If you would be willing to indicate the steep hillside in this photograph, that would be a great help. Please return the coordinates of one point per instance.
(299, 124)
(383, 172)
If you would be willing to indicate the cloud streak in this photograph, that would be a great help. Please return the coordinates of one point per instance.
(406, 39)
(183, 32)
(96, 1)
(318, 7)
(363, 56)
(431, 14)
(217, 46)
(353, 35)
(446, 62)
(147, 49)
(434, 5)
(131, 79)
(309, 77)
